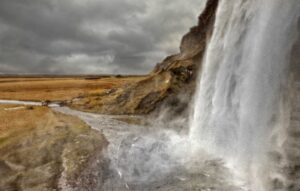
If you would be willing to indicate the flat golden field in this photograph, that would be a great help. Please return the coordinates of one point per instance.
(58, 88)
(16, 118)
(38, 145)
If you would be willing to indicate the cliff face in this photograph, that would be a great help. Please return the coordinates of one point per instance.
(193, 44)
(175, 75)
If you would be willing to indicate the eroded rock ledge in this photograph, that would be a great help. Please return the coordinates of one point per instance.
(175, 75)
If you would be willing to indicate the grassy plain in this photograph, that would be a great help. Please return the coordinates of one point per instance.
(59, 88)
(38, 146)
(14, 118)
(17, 120)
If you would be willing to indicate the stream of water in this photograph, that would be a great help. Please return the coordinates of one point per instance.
(242, 106)
(151, 157)
(239, 121)
(155, 158)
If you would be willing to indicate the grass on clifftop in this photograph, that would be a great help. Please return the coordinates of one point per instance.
(16, 120)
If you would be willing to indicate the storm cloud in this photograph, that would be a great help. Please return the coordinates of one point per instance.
(91, 36)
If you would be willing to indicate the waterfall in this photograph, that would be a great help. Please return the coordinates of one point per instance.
(241, 106)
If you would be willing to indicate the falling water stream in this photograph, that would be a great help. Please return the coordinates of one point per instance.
(241, 105)
(238, 120)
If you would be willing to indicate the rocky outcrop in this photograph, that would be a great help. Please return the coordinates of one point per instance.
(175, 75)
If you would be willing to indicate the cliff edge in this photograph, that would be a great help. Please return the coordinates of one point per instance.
(175, 75)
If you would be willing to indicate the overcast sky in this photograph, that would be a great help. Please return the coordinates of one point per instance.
(91, 36)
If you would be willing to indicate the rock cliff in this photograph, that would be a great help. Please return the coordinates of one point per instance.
(174, 76)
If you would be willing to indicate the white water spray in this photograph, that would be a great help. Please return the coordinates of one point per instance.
(240, 99)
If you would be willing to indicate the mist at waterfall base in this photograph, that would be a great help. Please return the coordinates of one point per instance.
(240, 110)
(163, 159)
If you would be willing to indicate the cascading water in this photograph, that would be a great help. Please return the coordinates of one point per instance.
(241, 113)
(241, 104)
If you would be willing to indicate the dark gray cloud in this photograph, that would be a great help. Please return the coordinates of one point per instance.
(91, 36)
